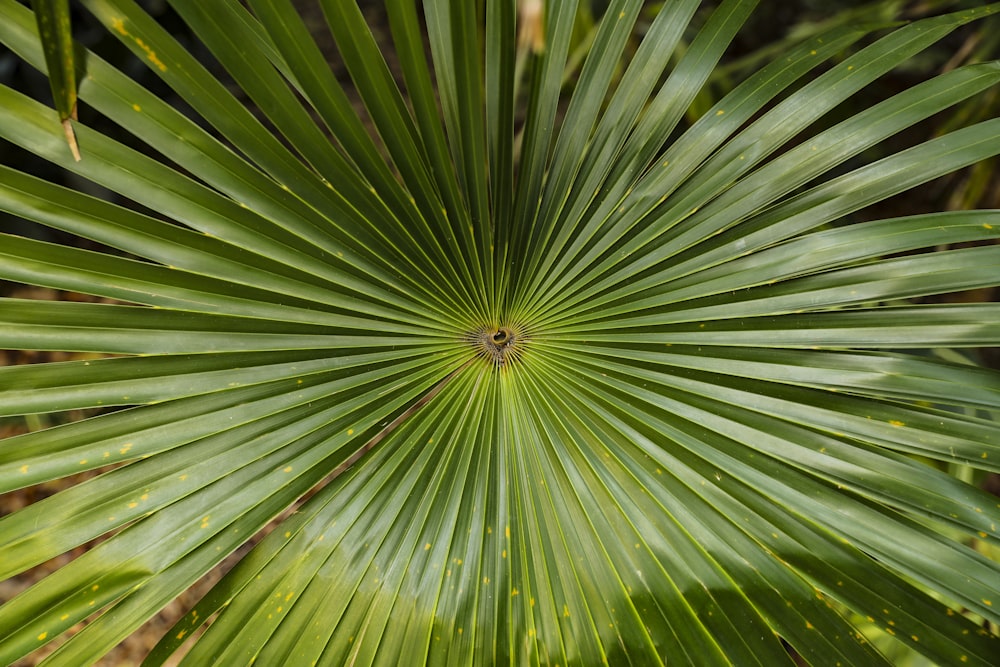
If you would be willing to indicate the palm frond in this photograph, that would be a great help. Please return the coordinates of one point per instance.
(503, 374)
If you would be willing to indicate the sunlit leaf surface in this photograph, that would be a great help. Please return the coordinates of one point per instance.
(548, 375)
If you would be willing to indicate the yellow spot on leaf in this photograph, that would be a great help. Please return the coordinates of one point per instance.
(515, 592)
(566, 611)
(125, 448)
(133, 505)
(43, 636)
(986, 226)
(83, 462)
(506, 531)
(427, 546)
(136, 107)
(719, 112)
(23, 469)
(119, 25)
(988, 603)
(896, 423)
(151, 55)
(531, 602)
(180, 635)
(287, 469)
(486, 580)
(350, 431)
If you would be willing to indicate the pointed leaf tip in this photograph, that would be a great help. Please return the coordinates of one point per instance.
(55, 33)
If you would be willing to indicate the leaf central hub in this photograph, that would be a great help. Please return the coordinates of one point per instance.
(502, 337)
(499, 344)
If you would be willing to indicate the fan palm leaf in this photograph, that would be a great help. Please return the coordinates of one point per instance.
(584, 385)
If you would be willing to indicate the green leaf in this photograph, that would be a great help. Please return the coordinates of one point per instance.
(492, 365)
(56, 36)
